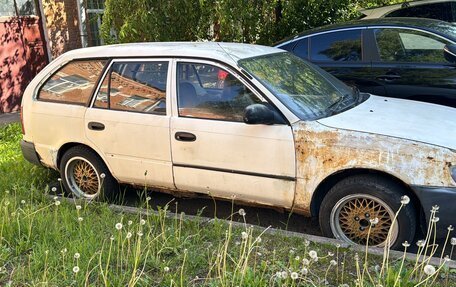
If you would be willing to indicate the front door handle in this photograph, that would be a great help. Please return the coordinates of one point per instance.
(185, 137)
(96, 126)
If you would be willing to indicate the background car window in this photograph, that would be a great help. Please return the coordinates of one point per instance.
(302, 48)
(441, 11)
(209, 92)
(73, 83)
(336, 46)
(138, 87)
(403, 45)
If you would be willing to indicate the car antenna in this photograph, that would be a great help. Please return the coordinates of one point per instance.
(229, 55)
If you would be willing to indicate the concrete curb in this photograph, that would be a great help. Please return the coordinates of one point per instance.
(313, 238)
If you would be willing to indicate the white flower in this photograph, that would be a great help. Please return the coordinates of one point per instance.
(305, 262)
(102, 175)
(142, 222)
(374, 221)
(80, 219)
(54, 189)
(405, 200)
(166, 269)
(57, 203)
(429, 270)
(435, 219)
(294, 275)
(77, 255)
(313, 254)
(78, 207)
(244, 235)
(406, 244)
(76, 269)
(453, 241)
(119, 226)
(130, 222)
(23, 201)
(129, 235)
(304, 271)
(333, 262)
(421, 243)
(242, 212)
(284, 274)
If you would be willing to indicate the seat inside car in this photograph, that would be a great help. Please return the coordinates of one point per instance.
(187, 95)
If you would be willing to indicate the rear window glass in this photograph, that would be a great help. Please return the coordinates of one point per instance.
(73, 83)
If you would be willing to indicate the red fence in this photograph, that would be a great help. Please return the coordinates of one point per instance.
(22, 56)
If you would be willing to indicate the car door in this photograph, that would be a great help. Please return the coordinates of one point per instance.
(410, 64)
(344, 55)
(129, 121)
(214, 151)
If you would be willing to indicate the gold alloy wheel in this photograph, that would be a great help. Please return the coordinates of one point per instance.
(351, 220)
(82, 178)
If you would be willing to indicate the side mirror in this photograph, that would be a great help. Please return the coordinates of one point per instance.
(449, 51)
(258, 114)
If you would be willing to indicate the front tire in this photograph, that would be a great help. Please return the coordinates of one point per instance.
(354, 203)
(85, 175)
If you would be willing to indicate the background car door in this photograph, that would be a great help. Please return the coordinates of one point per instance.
(342, 54)
(411, 65)
(215, 152)
(129, 122)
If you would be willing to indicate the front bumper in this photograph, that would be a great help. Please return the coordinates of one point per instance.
(445, 198)
(29, 152)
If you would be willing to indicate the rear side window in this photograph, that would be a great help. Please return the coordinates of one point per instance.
(136, 87)
(302, 49)
(336, 46)
(74, 83)
(440, 11)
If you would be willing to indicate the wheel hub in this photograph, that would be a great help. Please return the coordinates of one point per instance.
(85, 177)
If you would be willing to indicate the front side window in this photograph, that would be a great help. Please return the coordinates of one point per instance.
(73, 83)
(136, 87)
(309, 92)
(209, 92)
(404, 45)
(341, 46)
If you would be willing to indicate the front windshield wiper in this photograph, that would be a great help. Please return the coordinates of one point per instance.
(334, 107)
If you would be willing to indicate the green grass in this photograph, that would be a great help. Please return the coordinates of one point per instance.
(39, 238)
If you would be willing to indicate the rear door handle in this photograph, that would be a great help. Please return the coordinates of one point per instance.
(387, 77)
(185, 137)
(96, 126)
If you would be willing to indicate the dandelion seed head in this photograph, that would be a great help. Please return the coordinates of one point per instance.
(278, 274)
(129, 235)
(297, 258)
(304, 271)
(111, 238)
(259, 240)
(406, 244)
(142, 222)
(306, 243)
(7, 203)
(450, 228)
(374, 221)
(405, 200)
(129, 222)
(23, 201)
(284, 274)
(76, 269)
(78, 207)
(148, 198)
(77, 255)
(294, 275)
(242, 212)
(166, 269)
(429, 270)
(435, 219)
(421, 243)
(54, 189)
(57, 203)
(140, 234)
(64, 250)
(333, 262)
(330, 254)
(244, 235)
(313, 254)
(55, 197)
(305, 262)
(80, 219)
(59, 179)
(119, 226)
(453, 241)
(102, 175)
(292, 251)
(435, 208)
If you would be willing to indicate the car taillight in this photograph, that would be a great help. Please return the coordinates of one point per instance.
(22, 121)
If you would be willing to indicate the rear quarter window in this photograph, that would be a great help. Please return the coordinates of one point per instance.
(73, 83)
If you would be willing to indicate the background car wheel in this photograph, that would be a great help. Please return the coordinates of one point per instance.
(82, 174)
(347, 209)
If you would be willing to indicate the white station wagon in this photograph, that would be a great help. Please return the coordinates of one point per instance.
(244, 122)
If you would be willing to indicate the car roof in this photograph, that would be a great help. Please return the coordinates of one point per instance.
(382, 11)
(435, 26)
(225, 52)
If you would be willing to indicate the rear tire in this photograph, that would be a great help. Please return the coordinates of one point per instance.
(85, 175)
(350, 205)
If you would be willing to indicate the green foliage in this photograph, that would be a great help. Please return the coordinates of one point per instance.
(249, 21)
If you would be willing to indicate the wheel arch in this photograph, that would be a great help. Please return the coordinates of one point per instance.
(64, 148)
(324, 187)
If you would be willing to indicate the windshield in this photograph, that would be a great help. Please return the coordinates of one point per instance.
(308, 91)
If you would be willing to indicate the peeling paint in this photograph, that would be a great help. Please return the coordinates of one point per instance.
(322, 151)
